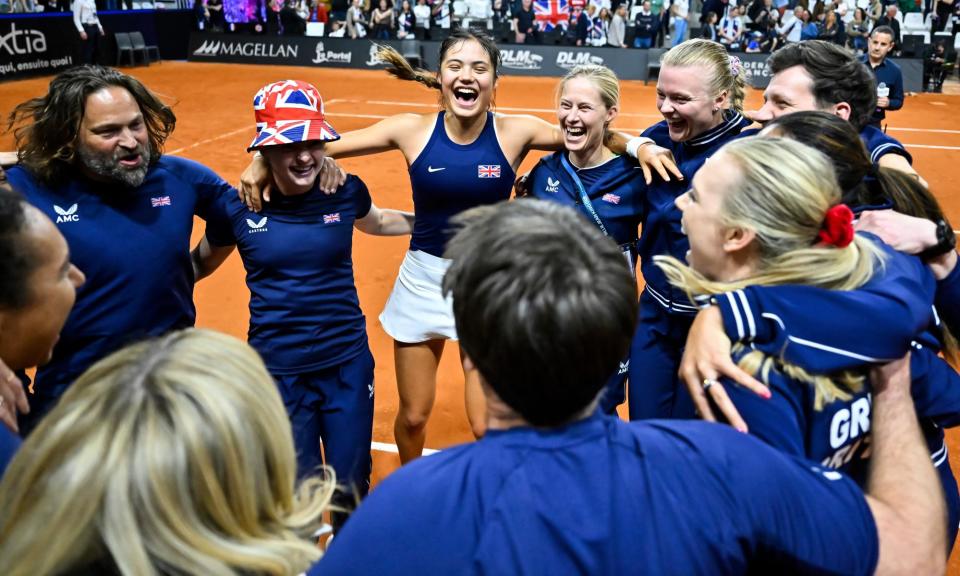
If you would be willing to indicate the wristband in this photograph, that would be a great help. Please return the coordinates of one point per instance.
(635, 143)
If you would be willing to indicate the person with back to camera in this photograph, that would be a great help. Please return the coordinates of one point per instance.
(171, 456)
(465, 155)
(37, 291)
(737, 240)
(556, 487)
(305, 316)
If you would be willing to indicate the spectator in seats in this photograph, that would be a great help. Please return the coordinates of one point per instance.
(679, 11)
(875, 11)
(599, 27)
(857, 31)
(406, 21)
(542, 492)
(37, 291)
(383, 21)
(645, 25)
(87, 22)
(709, 28)
(831, 29)
(441, 13)
(758, 12)
(731, 29)
(356, 21)
(888, 75)
(718, 7)
(578, 25)
(809, 30)
(660, 9)
(291, 21)
(320, 12)
(755, 43)
(171, 456)
(421, 13)
(936, 66)
(501, 21)
(942, 11)
(770, 40)
(616, 34)
(201, 14)
(890, 21)
(525, 24)
(337, 29)
(274, 27)
(215, 16)
(790, 28)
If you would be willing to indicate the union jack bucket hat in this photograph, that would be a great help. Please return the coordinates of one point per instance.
(287, 112)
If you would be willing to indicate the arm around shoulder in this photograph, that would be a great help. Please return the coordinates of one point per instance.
(385, 222)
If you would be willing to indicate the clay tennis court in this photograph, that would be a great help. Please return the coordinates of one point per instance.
(215, 125)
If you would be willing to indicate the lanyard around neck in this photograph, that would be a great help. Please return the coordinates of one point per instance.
(584, 198)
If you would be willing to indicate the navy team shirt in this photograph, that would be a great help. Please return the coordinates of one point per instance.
(602, 496)
(616, 190)
(448, 178)
(133, 245)
(661, 225)
(298, 254)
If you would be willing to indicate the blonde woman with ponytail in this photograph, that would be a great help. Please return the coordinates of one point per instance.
(768, 212)
(700, 94)
(463, 156)
(173, 456)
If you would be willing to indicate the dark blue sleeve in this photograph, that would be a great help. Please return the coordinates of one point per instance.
(779, 421)
(361, 196)
(9, 444)
(935, 387)
(832, 330)
(947, 300)
(802, 518)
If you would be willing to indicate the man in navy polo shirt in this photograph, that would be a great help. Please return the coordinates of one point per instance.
(90, 153)
(557, 487)
(888, 74)
(820, 75)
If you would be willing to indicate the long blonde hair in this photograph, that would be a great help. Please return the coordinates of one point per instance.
(783, 193)
(726, 72)
(172, 455)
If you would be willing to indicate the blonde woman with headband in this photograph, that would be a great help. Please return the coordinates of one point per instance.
(461, 156)
(603, 186)
(764, 212)
(173, 456)
(700, 94)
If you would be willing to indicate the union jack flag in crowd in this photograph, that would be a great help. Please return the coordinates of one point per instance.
(289, 112)
(161, 201)
(331, 218)
(551, 13)
(488, 171)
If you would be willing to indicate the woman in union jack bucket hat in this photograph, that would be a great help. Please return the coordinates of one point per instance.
(305, 318)
(462, 156)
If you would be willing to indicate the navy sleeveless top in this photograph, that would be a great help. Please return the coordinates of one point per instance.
(448, 178)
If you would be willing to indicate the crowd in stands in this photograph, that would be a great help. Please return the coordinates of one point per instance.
(744, 26)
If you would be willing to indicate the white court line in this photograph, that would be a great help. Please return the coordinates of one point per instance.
(209, 140)
(930, 146)
(931, 130)
(392, 448)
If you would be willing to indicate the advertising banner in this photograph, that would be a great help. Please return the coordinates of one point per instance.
(35, 46)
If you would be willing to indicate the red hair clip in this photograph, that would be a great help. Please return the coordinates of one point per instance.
(837, 229)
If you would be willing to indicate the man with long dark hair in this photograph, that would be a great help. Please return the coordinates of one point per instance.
(91, 159)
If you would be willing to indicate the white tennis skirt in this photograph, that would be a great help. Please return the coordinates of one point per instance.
(416, 310)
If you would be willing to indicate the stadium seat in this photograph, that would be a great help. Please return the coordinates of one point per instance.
(412, 51)
(139, 45)
(913, 22)
(911, 45)
(124, 45)
(653, 63)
